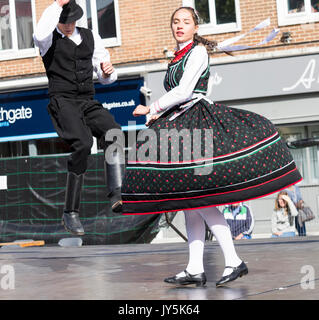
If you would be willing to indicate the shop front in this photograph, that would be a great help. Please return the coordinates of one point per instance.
(33, 171)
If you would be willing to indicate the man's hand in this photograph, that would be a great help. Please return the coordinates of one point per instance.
(107, 69)
(240, 236)
(61, 3)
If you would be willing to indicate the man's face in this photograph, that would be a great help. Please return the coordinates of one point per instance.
(67, 29)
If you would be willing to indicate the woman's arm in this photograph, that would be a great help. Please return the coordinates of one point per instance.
(292, 208)
(300, 202)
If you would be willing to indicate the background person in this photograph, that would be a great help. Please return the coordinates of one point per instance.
(295, 195)
(282, 221)
(240, 220)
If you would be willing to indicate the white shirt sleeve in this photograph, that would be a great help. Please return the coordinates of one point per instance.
(101, 55)
(43, 32)
(195, 66)
(292, 208)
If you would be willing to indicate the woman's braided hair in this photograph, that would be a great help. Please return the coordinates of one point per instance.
(211, 45)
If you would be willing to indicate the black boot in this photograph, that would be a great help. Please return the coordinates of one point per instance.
(70, 218)
(114, 169)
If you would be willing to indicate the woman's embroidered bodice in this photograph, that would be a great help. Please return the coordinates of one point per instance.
(175, 72)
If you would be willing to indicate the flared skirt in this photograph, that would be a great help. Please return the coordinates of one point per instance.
(210, 155)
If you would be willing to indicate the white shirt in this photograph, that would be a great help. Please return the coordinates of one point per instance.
(43, 39)
(196, 64)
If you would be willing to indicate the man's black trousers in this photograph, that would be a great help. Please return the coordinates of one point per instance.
(76, 122)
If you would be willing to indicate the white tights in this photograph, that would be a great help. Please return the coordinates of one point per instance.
(195, 227)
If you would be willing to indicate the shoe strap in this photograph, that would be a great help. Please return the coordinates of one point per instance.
(231, 267)
(234, 268)
(187, 273)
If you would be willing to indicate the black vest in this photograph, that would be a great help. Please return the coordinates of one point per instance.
(176, 70)
(69, 67)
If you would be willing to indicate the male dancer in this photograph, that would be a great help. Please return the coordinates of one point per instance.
(70, 55)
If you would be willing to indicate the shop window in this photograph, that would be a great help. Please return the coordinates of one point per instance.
(306, 158)
(102, 16)
(297, 11)
(51, 146)
(217, 16)
(14, 149)
(17, 21)
(314, 157)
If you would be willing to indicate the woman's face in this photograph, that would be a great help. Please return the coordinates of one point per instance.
(183, 26)
(281, 202)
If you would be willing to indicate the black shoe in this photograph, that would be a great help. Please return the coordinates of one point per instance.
(72, 224)
(198, 279)
(239, 271)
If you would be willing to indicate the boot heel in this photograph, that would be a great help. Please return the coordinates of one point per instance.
(243, 273)
(72, 224)
(117, 206)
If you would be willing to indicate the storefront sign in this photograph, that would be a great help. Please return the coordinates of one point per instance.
(24, 116)
(265, 78)
(241, 80)
(121, 98)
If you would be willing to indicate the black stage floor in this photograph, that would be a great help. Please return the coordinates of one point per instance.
(278, 270)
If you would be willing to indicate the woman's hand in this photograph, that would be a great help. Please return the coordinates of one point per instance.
(285, 197)
(152, 119)
(141, 110)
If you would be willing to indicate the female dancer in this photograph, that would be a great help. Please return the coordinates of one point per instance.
(243, 159)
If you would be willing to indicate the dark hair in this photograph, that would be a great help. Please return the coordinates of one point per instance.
(211, 45)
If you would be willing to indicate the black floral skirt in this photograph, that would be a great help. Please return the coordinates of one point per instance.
(209, 155)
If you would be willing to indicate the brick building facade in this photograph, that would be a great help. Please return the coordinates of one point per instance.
(278, 79)
(145, 32)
